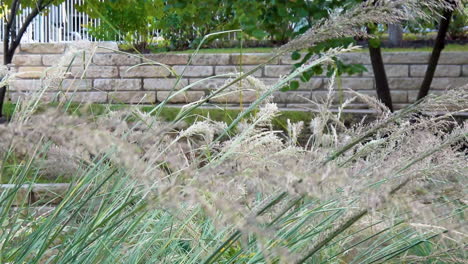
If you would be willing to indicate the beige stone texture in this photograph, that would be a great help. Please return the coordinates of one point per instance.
(278, 70)
(392, 70)
(211, 59)
(194, 71)
(132, 97)
(163, 84)
(235, 97)
(355, 58)
(404, 83)
(459, 57)
(71, 85)
(85, 97)
(237, 69)
(356, 83)
(111, 59)
(253, 59)
(95, 72)
(55, 60)
(406, 57)
(292, 97)
(31, 72)
(143, 71)
(181, 98)
(441, 70)
(24, 85)
(117, 84)
(168, 59)
(27, 60)
(42, 48)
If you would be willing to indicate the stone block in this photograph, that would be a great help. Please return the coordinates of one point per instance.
(111, 59)
(106, 46)
(448, 83)
(60, 60)
(211, 59)
(404, 83)
(406, 57)
(312, 84)
(292, 97)
(27, 60)
(181, 98)
(143, 71)
(229, 97)
(236, 69)
(31, 72)
(71, 85)
(441, 70)
(211, 84)
(399, 96)
(453, 58)
(95, 72)
(253, 59)
(169, 59)
(24, 85)
(26, 95)
(465, 70)
(413, 95)
(85, 97)
(163, 84)
(287, 60)
(355, 58)
(91, 47)
(40, 48)
(392, 70)
(117, 84)
(278, 70)
(194, 71)
(357, 83)
(132, 97)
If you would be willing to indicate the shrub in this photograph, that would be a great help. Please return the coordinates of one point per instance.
(133, 21)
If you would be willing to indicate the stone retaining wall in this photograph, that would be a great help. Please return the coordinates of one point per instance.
(110, 77)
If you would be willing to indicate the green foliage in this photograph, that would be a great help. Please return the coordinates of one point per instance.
(337, 67)
(459, 21)
(130, 20)
(185, 23)
(319, 10)
(456, 27)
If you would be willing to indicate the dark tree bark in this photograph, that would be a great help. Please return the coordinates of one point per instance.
(12, 37)
(439, 45)
(380, 76)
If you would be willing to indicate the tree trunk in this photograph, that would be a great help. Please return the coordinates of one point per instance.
(380, 76)
(439, 45)
(395, 35)
(7, 59)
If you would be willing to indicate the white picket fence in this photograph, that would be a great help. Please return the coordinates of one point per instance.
(61, 23)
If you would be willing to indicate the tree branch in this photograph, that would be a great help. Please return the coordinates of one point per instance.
(41, 5)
